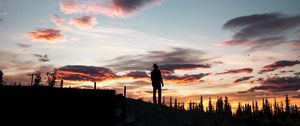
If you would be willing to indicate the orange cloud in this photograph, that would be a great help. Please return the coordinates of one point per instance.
(46, 35)
(236, 71)
(84, 73)
(84, 22)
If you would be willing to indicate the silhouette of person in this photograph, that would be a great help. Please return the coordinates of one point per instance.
(157, 83)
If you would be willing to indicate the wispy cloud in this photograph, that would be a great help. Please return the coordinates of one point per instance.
(184, 57)
(42, 58)
(21, 45)
(46, 35)
(276, 84)
(261, 31)
(236, 71)
(111, 8)
(84, 22)
(60, 23)
(84, 73)
(278, 64)
(242, 79)
(101, 74)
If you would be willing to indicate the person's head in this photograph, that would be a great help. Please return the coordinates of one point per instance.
(155, 66)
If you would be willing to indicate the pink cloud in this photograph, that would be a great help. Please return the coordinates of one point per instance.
(111, 8)
(84, 22)
(60, 23)
(70, 6)
(46, 35)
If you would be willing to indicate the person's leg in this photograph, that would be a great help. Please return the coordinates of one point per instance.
(154, 95)
(159, 95)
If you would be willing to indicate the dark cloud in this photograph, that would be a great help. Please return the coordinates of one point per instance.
(169, 68)
(287, 71)
(236, 71)
(278, 64)
(93, 73)
(130, 6)
(84, 73)
(262, 30)
(297, 73)
(244, 21)
(46, 35)
(242, 79)
(265, 88)
(42, 58)
(136, 74)
(112, 8)
(276, 84)
(296, 96)
(23, 45)
(174, 57)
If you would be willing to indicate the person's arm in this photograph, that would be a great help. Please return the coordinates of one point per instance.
(161, 80)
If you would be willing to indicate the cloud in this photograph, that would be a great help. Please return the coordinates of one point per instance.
(242, 79)
(184, 79)
(287, 71)
(296, 96)
(11, 60)
(100, 74)
(46, 35)
(261, 31)
(60, 23)
(278, 64)
(84, 73)
(236, 71)
(186, 57)
(136, 74)
(42, 58)
(84, 22)
(297, 73)
(276, 84)
(296, 44)
(111, 8)
(16, 66)
(169, 68)
(167, 78)
(23, 45)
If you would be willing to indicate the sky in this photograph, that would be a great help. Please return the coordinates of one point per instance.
(245, 50)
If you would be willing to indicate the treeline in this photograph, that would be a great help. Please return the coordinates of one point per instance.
(222, 106)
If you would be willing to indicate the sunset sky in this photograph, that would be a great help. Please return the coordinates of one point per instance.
(243, 49)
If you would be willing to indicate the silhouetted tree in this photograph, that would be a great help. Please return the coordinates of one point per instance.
(51, 78)
(239, 110)
(219, 105)
(201, 109)
(267, 108)
(227, 106)
(175, 104)
(210, 107)
(287, 105)
(37, 79)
